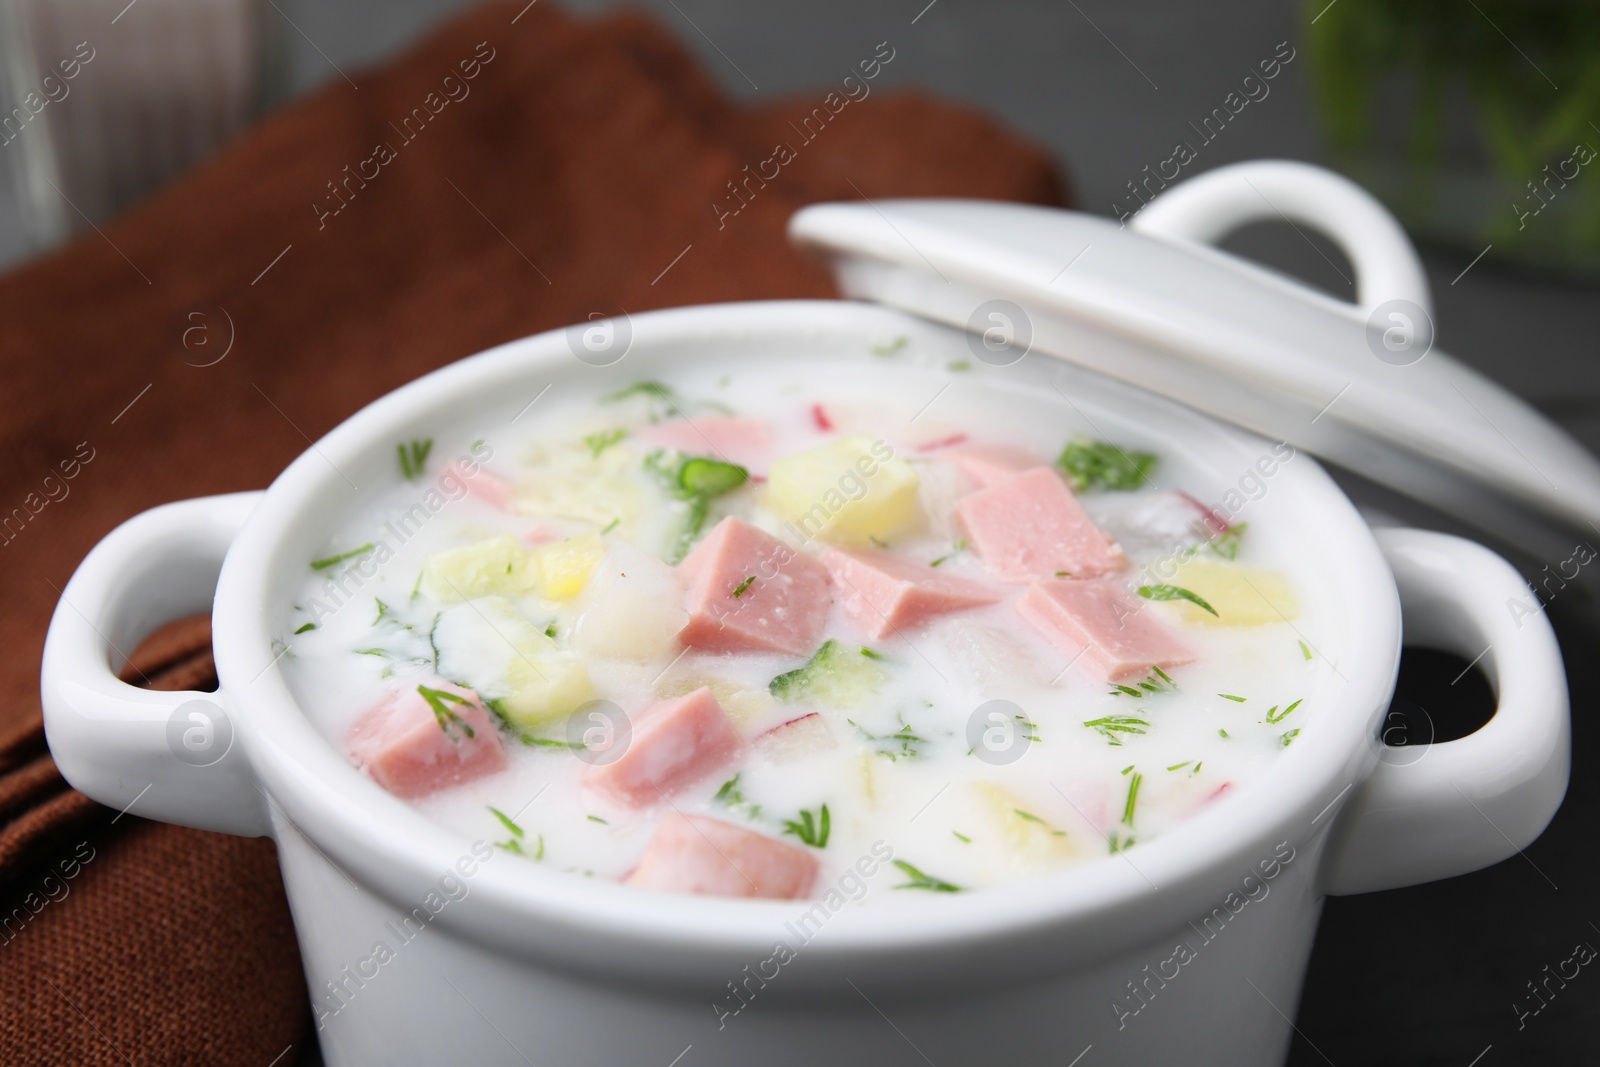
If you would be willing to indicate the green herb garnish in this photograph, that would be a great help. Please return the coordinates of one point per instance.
(904, 736)
(732, 797)
(1227, 544)
(1305, 650)
(1158, 681)
(1180, 766)
(1133, 798)
(661, 397)
(962, 837)
(739, 590)
(383, 609)
(612, 525)
(959, 365)
(1090, 464)
(813, 831)
(509, 823)
(1175, 592)
(1274, 716)
(334, 561)
(1112, 725)
(891, 347)
(601, 440)
(919, 880)
(696, 480)
(440, 700)
(1230, 696)
(1289, 737)
(956, 549)
(413, 456)
(598, 819)
(306, 628)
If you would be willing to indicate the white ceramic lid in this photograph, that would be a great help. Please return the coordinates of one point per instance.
(1154, 304)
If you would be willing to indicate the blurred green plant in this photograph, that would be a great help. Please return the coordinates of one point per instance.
(1529, 73)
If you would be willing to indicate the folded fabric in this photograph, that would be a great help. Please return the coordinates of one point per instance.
(518, 170)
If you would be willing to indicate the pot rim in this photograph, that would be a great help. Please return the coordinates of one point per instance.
(398, 853)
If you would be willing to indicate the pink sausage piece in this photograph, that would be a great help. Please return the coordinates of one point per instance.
(747, 442)
(489, 488)
(750, 592)
(884, 594)
(1030, 527)
(989, 465)
(405, 747)
(697, 854)
(1109, 634)
(675, 743)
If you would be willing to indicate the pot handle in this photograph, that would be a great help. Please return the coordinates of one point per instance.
(1208, 207)
(1435, 811)
(171, 756)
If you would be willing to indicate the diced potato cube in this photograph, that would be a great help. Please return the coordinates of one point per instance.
(564, 567)
(498, 566)
(1243, 596)
(511, 663)
(1010, 834)
(851, 491)
(632, 607)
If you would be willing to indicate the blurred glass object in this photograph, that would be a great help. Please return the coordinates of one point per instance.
(1476, 123)
(105, 100)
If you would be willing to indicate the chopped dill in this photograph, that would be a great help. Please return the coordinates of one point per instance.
(1112, 725)
(413, 457)
(812, 830)
(601, 440)
(1175, 592)
(334, 561)
(440, 700)
(919, 880)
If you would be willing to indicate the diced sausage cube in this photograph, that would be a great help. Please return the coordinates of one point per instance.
(675, 743)
(1031, 527)
(750, 592)
(884, 594)
(1109, 635)
(746, 442)
(710, 857)
(412, 750)
(989, 465)
(488, 487)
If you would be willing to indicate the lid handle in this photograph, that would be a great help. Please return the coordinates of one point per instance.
(1207, 208)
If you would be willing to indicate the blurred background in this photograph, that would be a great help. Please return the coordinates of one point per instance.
(1474, 120)
(1470, 118)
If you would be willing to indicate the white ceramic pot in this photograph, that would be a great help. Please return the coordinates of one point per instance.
(422, 947)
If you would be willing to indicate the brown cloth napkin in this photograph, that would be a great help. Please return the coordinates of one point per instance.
(536, 168)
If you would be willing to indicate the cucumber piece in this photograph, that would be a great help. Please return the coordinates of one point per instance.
(695, 480)
(838, 676)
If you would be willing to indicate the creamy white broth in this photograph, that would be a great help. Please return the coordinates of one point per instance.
(961, 821)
